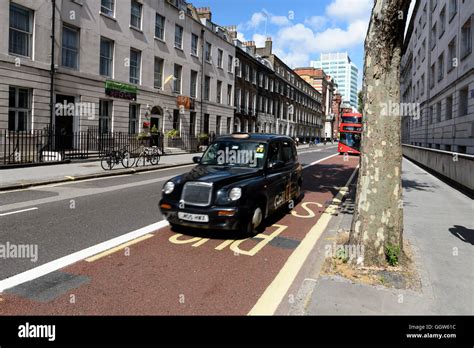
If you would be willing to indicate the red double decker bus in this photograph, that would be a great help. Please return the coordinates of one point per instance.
(350, 132)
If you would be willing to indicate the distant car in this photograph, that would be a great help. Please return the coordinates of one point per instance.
(239, 181)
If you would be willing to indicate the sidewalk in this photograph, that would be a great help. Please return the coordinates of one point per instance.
(38, 175)
(438, 224)
(17, 178)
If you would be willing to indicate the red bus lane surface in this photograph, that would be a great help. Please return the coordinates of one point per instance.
(191, 272)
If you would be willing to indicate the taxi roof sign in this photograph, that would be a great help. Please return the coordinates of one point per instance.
(240, 135)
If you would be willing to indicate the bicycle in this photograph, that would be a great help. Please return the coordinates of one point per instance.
(149, 154)
(114, 157)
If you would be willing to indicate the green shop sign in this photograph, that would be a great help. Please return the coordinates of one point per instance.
(120, 90)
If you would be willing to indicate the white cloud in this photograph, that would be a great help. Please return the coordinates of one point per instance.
(256, 19)
(241, 37)
(259, 40)
(337, 39)
(279, 20)
(349, 10)
(316, 22)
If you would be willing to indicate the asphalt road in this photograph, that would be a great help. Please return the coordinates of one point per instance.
(165, 271)
(65, 218)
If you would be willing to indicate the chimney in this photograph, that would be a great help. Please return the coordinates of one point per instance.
(232, 30)
(204, 12)
(251, 46)
(268, 45)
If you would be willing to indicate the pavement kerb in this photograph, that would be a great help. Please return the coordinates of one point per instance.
(24, 185)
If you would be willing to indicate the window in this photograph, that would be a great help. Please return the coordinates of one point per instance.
(178, 69)
(107, 7)
(260, 80)
(466, 39)
(106, 57)
(463, 101)
(453, 8)
(176, 120)
(135, 57)
(238, 69)
(219, 92)
(21, 30)
(422, 86)
(229, 94)
(230, 63)
(105, 113)
(206, 123)
(423, 50)
(19, 109)
(158, 76)
(442, 21)
(218, 125)
(228, 126)
(425, 15)
(194, 44)
(178, 37)
(219, 58)
(192, 123)
(133, 112)
(237, 98)
(136, 15)
(433, 36)
(432, 75)
(449, 107)
(441, 67)
(70, 48)
(430, 115)
(452, 60)
(160, 27)
(207, 52)
(207, 86)
(438, 112)
(194, 77)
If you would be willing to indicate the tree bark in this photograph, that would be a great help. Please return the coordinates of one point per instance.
(378, 216)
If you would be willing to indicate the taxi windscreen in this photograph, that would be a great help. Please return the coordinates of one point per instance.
(235, 153)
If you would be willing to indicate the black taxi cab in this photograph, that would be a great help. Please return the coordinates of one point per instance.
(240, 180)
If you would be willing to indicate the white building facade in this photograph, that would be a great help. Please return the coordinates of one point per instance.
(133, 62)
(437, 76)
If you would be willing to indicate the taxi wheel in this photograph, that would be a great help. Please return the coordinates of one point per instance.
(254, 222)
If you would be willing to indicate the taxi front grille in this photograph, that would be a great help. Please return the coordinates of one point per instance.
(197, 193)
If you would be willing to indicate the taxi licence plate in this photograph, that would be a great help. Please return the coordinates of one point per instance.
(193, 217)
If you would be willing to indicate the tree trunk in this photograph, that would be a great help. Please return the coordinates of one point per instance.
(378, 216)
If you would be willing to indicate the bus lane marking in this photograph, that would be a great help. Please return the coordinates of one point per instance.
(234, 245)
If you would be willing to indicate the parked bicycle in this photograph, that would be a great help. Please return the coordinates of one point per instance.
(115, 157)
(151, 155)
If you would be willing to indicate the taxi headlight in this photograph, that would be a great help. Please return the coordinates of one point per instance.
(235, 193)
(168, 188)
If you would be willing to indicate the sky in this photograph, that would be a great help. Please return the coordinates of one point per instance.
(300, 29)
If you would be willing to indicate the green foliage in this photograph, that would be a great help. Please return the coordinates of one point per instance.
(203, 137)
(173, 133)
(154, 129)
(342, 255)
(143, 135)
(392, 254)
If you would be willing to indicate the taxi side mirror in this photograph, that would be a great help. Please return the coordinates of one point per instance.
(196, 159)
